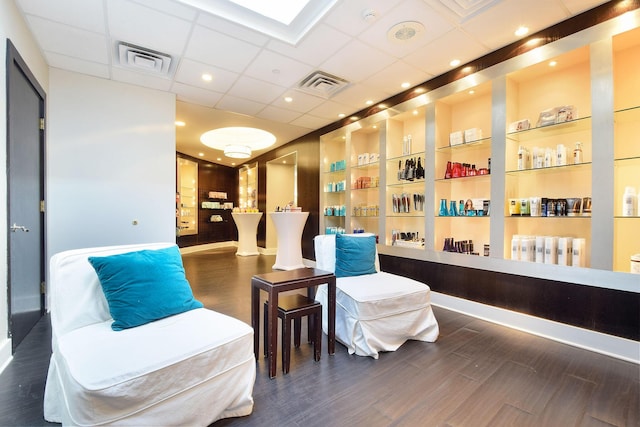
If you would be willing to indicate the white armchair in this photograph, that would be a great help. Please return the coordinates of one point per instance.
(377, 311)
(191, 368)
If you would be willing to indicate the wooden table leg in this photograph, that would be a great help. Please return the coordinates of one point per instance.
(272, 332)
(332, 316)
(255, 318)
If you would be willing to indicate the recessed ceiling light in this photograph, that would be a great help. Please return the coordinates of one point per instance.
(201, 154)
(341, 115)
(420, 90)
(288, 99)
(415, 112)
(466, 69)
(354, 118)
(454, 62)
(180, 123)
(369, 102)
(521, 31)
(375, 126)
(553, 63)
(219, 158)
(533, 41)
(471, 92)
(207, 77)
(382, 106)
(405, 85)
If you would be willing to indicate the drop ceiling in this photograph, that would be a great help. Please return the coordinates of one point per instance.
(252, 73)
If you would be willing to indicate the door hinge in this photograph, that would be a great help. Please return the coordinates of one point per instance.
(42, 123)
(42, 287)
(42, 206)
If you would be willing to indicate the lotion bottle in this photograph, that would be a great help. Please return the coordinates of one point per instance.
(577, 154)
(629, 200)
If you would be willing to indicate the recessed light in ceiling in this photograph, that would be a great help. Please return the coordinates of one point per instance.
(454, 63)
(207, 77)
(404, 32)
(521, 31)
(180, 123)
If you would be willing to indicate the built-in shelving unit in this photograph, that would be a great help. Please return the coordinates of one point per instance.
(494, 141)
(187, 197)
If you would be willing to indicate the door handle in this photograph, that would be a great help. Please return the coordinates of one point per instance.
(16, 227)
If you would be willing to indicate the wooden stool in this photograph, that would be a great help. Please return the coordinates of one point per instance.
(294, 307)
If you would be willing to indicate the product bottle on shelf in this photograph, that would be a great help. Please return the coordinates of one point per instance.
(577, 154)
(629, 200)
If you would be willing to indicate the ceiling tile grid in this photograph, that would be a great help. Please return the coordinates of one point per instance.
(251, 72)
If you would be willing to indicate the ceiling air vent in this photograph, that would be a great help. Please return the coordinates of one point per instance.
(322, 84)
(142, 59)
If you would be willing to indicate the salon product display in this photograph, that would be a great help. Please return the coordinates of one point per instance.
(569, 251)
(334, 187)
(367, 158)
(552, 116)
(547, 207)
(363, 182)
(461, 170)
(464, 137)
(465, 207)
(409, 239)
(366, 210)
(339, 165)
(411, 170)
(459, 246)
(407, 202)
(338, 210)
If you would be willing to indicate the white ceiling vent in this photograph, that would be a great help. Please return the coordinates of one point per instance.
(142, 59)
(322, 84)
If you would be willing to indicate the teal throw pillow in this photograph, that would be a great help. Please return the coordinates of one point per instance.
(144, 286)
(355, 255)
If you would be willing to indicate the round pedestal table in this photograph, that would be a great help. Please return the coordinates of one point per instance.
(289, 226)
(247, 225)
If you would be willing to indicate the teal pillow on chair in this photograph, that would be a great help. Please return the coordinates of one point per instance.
(355, 256)
(144, 286)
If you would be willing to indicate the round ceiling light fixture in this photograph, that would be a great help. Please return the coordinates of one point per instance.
(405, 32)
(238, 142)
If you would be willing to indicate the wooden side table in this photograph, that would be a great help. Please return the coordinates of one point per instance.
(281, 281)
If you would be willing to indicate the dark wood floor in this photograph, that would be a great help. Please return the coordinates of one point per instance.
(476, 374)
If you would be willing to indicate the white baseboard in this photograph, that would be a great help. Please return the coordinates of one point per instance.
(268, 251)
(598, 342)
(207, 246)
(5, 354)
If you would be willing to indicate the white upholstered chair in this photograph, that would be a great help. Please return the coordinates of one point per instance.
(191, 368)
(378, 311)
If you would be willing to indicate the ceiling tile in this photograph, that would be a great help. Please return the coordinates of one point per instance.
(256, 90)
(434, 58)
(78, 65)
(578, 6)
(356, 61)
(330, 110)
(239, 105)
(84, 14)
(190, 72)
(391, 78)
(170, 7)
(217, 49)
(311, 122)
(301, 102)
(278, 114)
(277, 69)
(145, 27)
(69, 41)
(239, 31)
(315, 48)
(356, 96)
(196, 95)
(140, 79)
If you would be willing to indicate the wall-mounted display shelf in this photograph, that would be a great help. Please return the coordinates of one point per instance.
(187, 197)
(494, 166)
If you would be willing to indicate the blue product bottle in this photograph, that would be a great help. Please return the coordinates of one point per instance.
(443, 207)
(453, 211)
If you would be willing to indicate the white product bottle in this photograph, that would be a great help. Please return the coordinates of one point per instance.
(577, 154)
(522, 158)
(629, 201)
(562, 155)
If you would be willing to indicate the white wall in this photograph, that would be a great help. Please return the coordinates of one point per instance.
(14, 28)
(110, 162)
